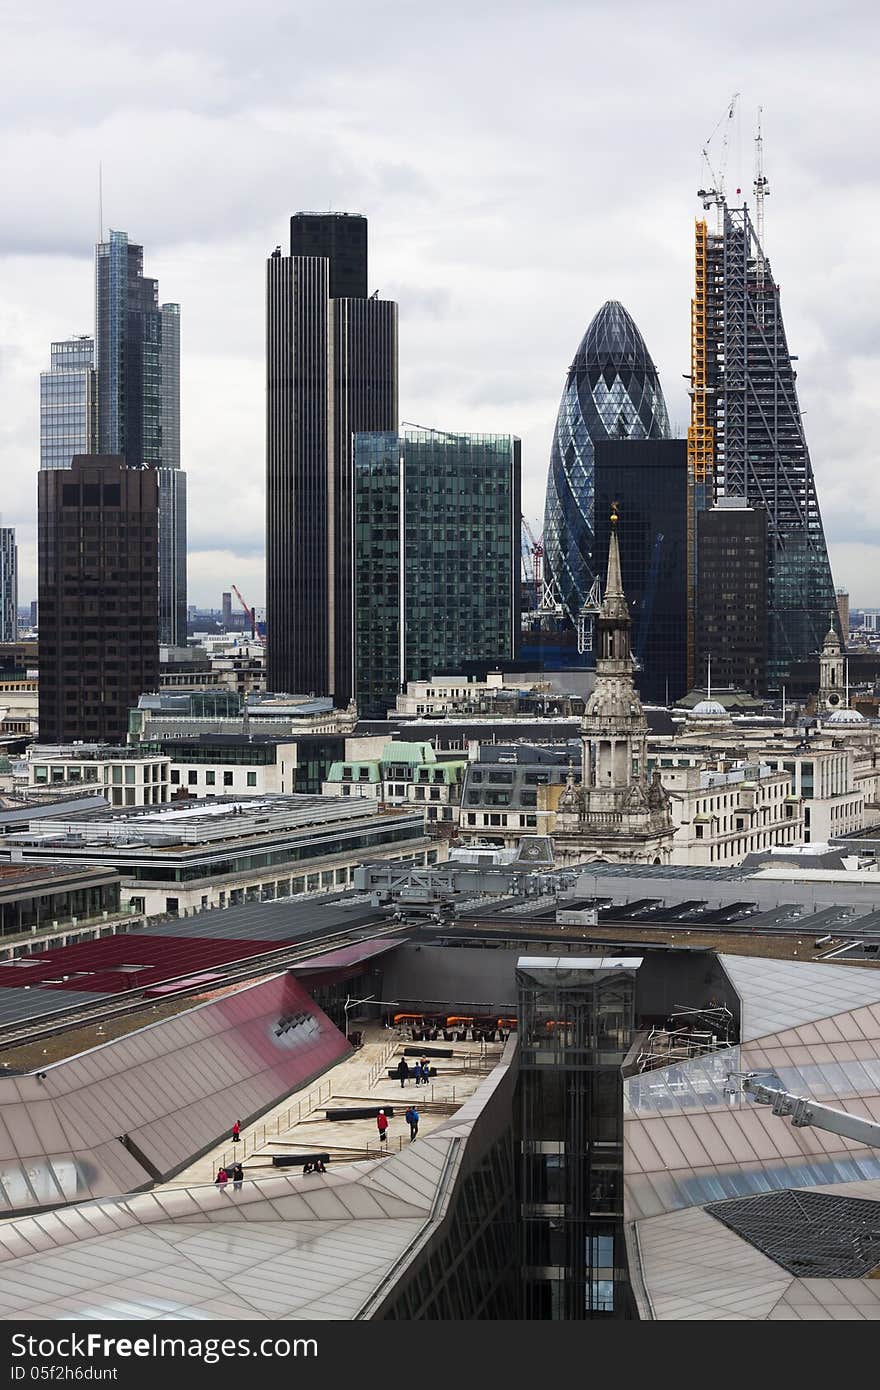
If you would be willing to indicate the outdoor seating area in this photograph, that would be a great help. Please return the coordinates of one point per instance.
(335, 1118)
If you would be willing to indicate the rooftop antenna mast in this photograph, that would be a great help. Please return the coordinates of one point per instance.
(713, 196)
(100, 201)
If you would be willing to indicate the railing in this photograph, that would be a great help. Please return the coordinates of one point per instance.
(258, 1136)
(379, 1066)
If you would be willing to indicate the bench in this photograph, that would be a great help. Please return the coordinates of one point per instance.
(297, 1160)
(428, 1051)
(358, 1112)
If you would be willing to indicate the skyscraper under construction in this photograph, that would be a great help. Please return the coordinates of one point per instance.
(746, 437)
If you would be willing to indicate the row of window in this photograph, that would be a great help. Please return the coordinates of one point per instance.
(192, 777)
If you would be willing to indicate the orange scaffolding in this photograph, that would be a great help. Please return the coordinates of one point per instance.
(700, 436)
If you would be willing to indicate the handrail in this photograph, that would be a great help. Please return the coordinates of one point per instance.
(239, 1151)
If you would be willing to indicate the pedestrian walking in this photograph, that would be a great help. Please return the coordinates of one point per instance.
(319, 1166)
(221, 1179)
(237, 1177)
(426, 1071)
(236, 1131)
(403, 1072)
(382, 1126)
(413, 1118)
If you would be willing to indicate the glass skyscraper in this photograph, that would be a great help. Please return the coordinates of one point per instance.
(747, 437)
(435, 556)
(137, 353)
(8, 585)
(612, 391)
(68, 402)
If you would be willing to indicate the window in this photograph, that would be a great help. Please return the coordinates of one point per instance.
(252, 779)
(175, 776)
(192, 777)
(227, 779)
(210, 778)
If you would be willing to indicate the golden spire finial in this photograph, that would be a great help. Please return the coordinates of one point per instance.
(613, 513)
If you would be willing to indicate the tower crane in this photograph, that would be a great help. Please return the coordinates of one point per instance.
(762, 191)
(713, 196)
(533, 554)
(251, 612)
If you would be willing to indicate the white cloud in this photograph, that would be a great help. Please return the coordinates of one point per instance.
(518, 164)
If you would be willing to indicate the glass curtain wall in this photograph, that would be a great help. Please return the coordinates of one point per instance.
(575, 1027)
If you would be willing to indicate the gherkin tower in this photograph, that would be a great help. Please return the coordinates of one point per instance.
(612, 391)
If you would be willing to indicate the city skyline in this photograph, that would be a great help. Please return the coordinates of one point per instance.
(489, 306)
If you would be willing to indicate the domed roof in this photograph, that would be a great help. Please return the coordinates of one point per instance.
(613, 340)
(709, 709)
(846, 716)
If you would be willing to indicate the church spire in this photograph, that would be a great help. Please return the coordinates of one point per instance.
(614, 582)
(613, 655)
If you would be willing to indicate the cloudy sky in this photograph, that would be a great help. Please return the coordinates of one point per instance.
(519, 164)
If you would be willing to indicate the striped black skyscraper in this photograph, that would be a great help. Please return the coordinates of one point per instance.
(331, 372)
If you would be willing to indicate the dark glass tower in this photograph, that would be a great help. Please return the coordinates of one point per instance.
(137, 354)
(436, 557)
(747, 425)
(341, 239)
(331, 365)
(612, 391)
(98, 597)
(647, 479)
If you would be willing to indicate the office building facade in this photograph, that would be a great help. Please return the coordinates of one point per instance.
(436, 557)
(137, 352)
(8, 585)
(98, 597)
(647, 479)
(331, 361)
(68, 402)
(731, 614)
(612, 391)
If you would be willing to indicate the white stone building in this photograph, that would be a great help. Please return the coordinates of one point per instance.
(125, 776)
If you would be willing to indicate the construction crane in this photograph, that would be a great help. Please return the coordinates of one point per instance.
(713, 196)
(251, 612)
(533, 562)
(762, 191)
(804, 1113)
(590, 608)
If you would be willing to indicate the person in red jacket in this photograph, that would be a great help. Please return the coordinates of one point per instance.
(382, 1126)
(236, 1131)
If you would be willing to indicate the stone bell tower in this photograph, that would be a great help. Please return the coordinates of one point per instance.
(616, 812)
(832, 673)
